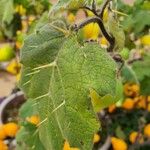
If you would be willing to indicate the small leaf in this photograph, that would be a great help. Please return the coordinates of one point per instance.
(142, 72)
(117, 32)
(119, 133)
(8, 12)
(128, 74)
(99, 102)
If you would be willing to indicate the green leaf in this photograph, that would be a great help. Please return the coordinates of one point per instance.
(69, 4)
(99, 102)
(8, 12)
(119, 133)
(142, 71)
(128, 74)
(141, 68)
(28, 138)
(117, 32)
(27, 109)
(139, 22)
(58, 73)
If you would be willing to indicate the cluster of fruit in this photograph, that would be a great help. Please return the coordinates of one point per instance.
(96, 139)
(135, 136)
(8, 131)
(132, 101)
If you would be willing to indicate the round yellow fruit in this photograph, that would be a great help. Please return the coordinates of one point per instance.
(147, 130)
(71, 18)
(3, 146)
(11, 129)
(34, 119)
(145, 40)
(118, 144)
(21, 10)
(131, 89)
(135, 136)
(67, 146)
(141, 102)
(2, 133)
(103, 41)
(111, 108)
(91, 31)
(128, 104)
(6, 52)
(96, 138)
(13, 67)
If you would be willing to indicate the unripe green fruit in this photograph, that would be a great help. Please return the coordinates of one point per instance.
(125, 53)
(6, 52)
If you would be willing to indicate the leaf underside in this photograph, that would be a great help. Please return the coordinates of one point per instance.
(58, 74)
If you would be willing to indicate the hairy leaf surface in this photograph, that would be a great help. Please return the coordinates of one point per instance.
(58, 74)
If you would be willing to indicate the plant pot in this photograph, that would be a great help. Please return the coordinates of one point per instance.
(9, 107)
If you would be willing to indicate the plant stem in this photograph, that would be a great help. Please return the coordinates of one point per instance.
(97, 20)
(104, 5)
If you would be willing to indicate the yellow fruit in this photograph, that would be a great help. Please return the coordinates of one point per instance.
(2, 133)
(3, 146)
(147, 130)
(31, 19)
(148, 108)
(135, 136)
(34, 119)
(11, 129)
(91, 31)
(145, 40)
(96, 138)
(24, 26)
(118, 144)
(13, 67)
(18, 44)
(20, 9)
(103, 41)
(111, 108)
(131, 89)
(71, 18)
(6, 52)
(135, 88)
(140, 102)
(67, 146)
(128, 104)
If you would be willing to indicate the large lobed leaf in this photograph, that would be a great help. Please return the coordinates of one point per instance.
(58, 74)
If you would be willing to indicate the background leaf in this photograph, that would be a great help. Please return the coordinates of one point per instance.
(142, 71)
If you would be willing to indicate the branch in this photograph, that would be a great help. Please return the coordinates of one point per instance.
(104, 5)
(97, 20)
(106, 145)
(118, 58)
(134, 60)
(94, 7)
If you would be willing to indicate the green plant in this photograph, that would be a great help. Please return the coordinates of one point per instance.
(67, 80)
